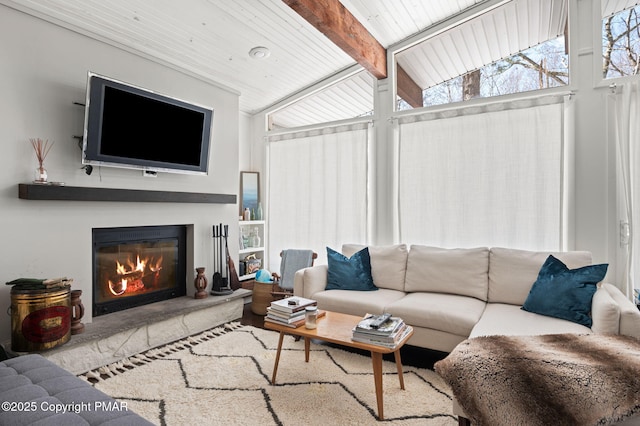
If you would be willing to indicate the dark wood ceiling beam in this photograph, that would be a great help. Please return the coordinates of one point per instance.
(335, 21)
(408, 89)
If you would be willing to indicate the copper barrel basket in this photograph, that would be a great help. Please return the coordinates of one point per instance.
(40, 319)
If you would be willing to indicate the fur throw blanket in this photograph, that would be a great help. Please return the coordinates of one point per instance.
(560, 379)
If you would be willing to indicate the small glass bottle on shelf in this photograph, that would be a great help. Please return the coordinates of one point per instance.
(259, 212)
(255, 238)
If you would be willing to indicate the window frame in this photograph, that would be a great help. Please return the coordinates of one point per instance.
(599, 80)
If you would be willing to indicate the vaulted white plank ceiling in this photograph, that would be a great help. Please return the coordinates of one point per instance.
(211, 38)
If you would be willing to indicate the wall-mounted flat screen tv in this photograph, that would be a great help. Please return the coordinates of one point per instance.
(131, 127)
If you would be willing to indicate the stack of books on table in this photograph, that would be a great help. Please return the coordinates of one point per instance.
(52, 284)
(289, 311)
(383, 330)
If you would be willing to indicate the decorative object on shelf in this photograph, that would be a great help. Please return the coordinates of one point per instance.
(259, 213)
(249, 193)
(252, 264)
(201, 284)
(41, 149)
(255, 238)
(246, 215)
(77, 312)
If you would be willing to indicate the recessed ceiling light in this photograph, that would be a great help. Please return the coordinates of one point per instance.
(259, 52)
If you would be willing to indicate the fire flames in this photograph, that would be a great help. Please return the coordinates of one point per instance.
(129, 277)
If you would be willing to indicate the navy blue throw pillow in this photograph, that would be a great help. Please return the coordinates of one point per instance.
(565, 293)
(352, 273)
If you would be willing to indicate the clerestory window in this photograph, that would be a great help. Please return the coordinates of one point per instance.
(345, 99)
(620, 38)
(517, 47)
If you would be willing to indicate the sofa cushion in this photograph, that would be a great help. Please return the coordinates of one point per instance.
(49, 386)
(353, 303)
(629, 314)
(453, 271)
(605, 312)
(450, 313)
(510, 320)
(388, 264)
(512, 272)
(565, 293)
(349, 273)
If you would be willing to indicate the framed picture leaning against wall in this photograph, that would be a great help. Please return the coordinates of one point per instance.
(249, 191)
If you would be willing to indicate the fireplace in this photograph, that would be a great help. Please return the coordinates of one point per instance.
(134, 266)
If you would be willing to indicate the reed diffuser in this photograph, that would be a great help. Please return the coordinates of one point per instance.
(41, 149)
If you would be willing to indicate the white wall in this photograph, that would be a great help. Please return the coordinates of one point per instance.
(43, 70)
(594, 222)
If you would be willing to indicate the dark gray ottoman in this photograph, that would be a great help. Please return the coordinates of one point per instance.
(35, 391)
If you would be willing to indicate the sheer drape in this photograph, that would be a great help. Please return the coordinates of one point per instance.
(317, 189)
(483, 177)
(624, 121)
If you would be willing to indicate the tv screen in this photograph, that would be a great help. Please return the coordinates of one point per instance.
(131, 127)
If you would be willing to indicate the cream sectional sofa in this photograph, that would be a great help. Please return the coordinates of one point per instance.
(449, 295)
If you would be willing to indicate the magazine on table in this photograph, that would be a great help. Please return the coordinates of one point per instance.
(373, 340)
(292, 304)
(388, 327)
(395, 336)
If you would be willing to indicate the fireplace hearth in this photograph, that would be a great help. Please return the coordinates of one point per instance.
(135, 266)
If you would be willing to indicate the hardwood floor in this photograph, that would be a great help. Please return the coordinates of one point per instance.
(411, 355)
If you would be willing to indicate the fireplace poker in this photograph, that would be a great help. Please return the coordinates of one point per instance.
(225, 236)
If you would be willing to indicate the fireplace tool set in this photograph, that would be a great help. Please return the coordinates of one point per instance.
(225, 274)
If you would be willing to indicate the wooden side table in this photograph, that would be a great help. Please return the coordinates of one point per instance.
(261, 298)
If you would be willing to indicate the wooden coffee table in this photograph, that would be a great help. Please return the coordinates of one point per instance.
(337, 328)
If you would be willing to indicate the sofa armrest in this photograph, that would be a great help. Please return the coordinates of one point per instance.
(629, 314)
(309, 281)
(605, 312)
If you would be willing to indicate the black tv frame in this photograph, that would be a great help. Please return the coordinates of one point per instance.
(92, 152)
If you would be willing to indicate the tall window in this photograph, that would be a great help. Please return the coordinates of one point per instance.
(318, 190)
(493, 178)
(624, 132)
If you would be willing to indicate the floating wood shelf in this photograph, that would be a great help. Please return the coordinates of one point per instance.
(28, 191)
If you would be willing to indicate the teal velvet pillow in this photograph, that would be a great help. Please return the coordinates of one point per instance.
(565, 293)
(352, 273)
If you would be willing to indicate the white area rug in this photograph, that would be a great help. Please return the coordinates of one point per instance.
(222, 376)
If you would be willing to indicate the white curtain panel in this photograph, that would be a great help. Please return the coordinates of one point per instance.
(317, 189)
(483, 177)
(624, 117)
